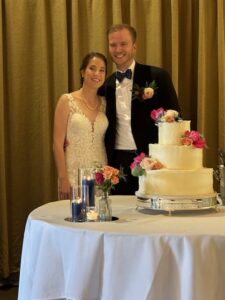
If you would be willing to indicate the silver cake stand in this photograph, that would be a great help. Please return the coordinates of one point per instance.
(176, 203)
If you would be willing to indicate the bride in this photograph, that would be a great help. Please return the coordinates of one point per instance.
(80, 120)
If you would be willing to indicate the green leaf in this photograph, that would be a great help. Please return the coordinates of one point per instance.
(137, 171)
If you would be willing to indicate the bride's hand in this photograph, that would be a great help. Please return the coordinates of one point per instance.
(66, 144)
(64, 189)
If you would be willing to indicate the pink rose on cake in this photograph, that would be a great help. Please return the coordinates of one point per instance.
(150, 163)
(161, 115)
(144, 93)
(142, 163)
(193, 138)
(136, 169)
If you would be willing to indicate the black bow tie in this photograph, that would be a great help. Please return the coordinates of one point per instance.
(120, 76)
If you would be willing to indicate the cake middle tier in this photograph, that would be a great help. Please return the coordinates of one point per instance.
(177, 157)
(177, 182)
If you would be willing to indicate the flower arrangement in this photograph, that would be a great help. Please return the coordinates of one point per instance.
(161, 115)
(193, 138)
(143, 93)
(142, 163)
(106, 177)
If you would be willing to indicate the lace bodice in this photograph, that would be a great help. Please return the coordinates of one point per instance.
(85, 139)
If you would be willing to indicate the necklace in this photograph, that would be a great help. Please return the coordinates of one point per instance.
(88, 105)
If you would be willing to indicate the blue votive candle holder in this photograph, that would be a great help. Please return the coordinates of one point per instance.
(88, 184)
(77, 211)
(77, 205)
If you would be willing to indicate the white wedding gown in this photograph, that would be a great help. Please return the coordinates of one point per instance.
(85, 139)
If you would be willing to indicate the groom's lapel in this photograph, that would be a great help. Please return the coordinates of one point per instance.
(111, 92)
(137, 74)
(112, 81)
(139, 79)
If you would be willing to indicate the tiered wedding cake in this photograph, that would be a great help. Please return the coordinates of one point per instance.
(174, 168)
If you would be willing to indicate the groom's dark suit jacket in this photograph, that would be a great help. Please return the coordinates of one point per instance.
(143, 127)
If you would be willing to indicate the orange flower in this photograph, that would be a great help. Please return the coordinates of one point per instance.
(109, 172)
(107, 177)
(186, 141)
(169, 119)
(115, 179)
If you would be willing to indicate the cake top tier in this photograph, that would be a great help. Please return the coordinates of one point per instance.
(171, 126)
(175, 131)
(171, 133)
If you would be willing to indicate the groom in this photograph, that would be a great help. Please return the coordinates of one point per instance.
(130, 126)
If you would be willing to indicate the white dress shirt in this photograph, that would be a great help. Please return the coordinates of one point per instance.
(124, 136)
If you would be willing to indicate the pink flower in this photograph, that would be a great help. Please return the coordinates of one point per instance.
(99, 178)
(139, 158)
(200, 143)
(146, 163)
(193, 138)
(133, 165)
(156, 113)
(161, 115)
(194, 135)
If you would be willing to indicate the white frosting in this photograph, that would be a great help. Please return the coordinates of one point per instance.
(183, 173)
(177, 182)
(170, 133)
(177, 157)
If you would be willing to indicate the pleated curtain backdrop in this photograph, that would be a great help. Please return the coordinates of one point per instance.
(42, 43)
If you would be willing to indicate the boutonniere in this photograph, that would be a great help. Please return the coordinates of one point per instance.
(144, 93)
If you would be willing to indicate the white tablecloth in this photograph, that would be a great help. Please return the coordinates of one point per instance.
(141, 256)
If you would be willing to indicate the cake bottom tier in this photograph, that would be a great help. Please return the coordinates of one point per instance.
(177, 182)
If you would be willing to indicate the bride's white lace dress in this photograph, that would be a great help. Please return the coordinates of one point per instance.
(85, 139)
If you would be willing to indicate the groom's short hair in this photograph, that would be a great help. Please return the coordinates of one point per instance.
(119, 27)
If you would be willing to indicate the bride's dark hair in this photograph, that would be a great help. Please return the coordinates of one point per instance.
(87, 59)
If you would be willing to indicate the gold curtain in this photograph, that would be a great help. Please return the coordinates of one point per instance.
(42, 43)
